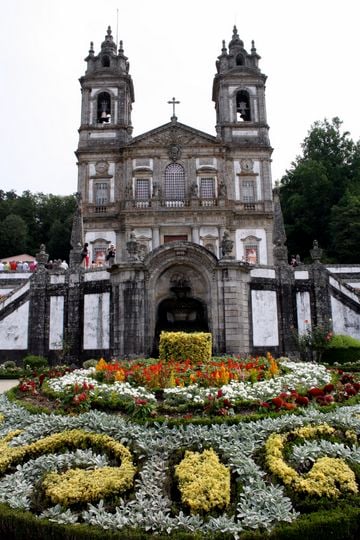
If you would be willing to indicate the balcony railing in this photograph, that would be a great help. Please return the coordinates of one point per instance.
(100, 209)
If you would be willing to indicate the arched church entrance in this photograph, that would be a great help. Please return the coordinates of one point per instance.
(180, 311)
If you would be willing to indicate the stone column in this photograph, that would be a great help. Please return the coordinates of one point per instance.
(235, 299)
(128, 314)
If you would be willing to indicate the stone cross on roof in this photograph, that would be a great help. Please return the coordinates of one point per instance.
(173, 102)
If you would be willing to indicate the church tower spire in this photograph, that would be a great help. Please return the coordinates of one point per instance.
(107, 96)
(239, 94)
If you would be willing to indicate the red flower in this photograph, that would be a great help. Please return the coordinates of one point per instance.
(264, 404)
(329, 399)
(302, 400)
(278, 402)
(328, 388)
(315, 392)
(220, 393)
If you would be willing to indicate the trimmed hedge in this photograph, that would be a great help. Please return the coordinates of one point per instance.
(182, 345)
(342, 349)
(339, 524)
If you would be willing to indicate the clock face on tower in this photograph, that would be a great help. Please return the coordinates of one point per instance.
(247, 164)
(102, 167)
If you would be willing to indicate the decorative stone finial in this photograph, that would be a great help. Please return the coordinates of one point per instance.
(132, 247)
(279, 237)
(316, 252)
(91, 50)
(121, 49)
(226, 246)
(42, 257)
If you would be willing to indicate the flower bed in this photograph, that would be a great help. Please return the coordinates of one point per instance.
(105, 470)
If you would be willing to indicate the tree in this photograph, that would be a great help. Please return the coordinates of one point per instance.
(345, 227)
(13, 236)
(48, 219)
(317, 182)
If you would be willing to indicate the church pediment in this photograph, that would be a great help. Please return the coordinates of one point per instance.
(174, 134)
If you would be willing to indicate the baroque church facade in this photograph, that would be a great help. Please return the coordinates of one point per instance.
(176, 193)
(198, 229)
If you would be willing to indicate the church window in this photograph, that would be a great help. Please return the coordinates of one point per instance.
(101, 194)
(105, 61)
(142, 189)
(104, 108)
(239, 60)
(207, 188)
(243, 106)
(174, 185)
(248, 191)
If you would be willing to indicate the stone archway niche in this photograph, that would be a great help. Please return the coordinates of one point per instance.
(181, 299)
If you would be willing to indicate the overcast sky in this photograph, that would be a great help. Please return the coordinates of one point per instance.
(309, 50)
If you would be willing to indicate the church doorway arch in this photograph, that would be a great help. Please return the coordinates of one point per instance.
(180, 312)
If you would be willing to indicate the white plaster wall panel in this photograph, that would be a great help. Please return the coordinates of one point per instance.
(15, 275)
(57, 278)
(241, 234)
(344, 290)
(264, 319)
(56, 329)
(355, 284)
(18, 292)
(96, 321)
(4, 292)
(96, 275)
(263, 273)
(345, 320)
(343, 269)
(301, 274)
(14, 329)
(303, 311)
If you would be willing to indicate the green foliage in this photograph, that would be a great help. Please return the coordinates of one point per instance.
(320, 194)
(28, 220)
(342, 349)
(33, 361)
(182, 345)
(90, 363)
(340, 341)
(13, 235)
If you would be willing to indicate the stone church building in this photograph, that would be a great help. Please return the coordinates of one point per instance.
(198, 230)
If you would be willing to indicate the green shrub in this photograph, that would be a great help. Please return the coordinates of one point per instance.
(182, 345)
(340, 341)
(32, 361)
(90, 363)
(9, 364)
(342, 349)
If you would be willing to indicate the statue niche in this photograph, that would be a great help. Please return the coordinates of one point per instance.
(180, 312)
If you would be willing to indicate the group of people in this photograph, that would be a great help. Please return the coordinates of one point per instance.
(18, 266)
(109, 258)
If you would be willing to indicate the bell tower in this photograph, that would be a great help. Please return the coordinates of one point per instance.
(239, 95)
(107, 97)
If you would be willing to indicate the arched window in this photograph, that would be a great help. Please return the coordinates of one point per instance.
(104, 108)
(174, 185)
(105, 61)
(243, 112)
(239, 60)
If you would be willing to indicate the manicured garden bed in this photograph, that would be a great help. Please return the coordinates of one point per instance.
(237, 448)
